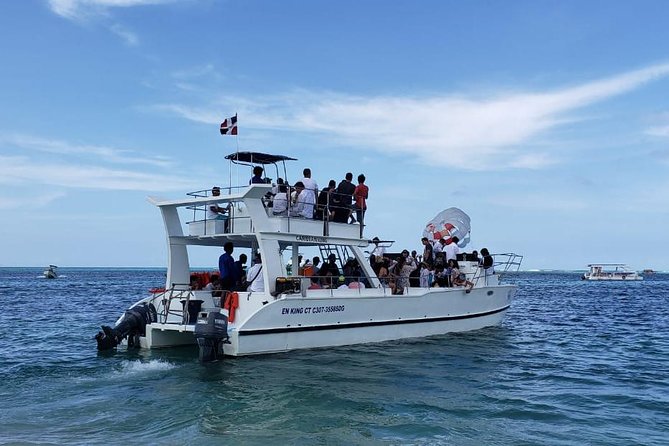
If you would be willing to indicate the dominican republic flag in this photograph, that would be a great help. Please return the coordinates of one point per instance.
(229, 126)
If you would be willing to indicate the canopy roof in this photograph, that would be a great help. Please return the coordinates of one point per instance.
(257, 158)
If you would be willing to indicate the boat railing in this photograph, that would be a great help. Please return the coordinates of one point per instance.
(335, 210)
(162, 300)
(236, 220)
(507, 262)
(327, 286)
(502, 263)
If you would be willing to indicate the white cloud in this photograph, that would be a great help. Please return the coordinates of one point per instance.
(661, 131)
(537, 202)
(81, 9)
(21, 170)
(470, 133)
(108, 154)
(129, 37)
(86, 10)
(32, 202)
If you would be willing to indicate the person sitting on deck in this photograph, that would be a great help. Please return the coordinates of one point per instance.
(329, 270)
(280, 203)
(304, 205)
(458, 278)
(441, 278)
(195, 282)
(314, 285)
(213, 281)
(257, 176)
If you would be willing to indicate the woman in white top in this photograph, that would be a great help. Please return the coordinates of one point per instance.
(280, 202)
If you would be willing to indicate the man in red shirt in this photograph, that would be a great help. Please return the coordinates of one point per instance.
(360, 195)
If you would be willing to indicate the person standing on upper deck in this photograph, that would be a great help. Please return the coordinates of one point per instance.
(309, 184)
(324, 203)
(344, 199)
(227, 268)
(361, 194)
(257, 176)
(214, 211)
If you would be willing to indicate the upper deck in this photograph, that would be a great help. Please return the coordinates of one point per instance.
(249, 214)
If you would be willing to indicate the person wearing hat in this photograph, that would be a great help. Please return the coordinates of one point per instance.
(214, 211)
(304, 205)
(376, 258)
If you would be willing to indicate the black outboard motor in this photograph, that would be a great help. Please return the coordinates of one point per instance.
(211, 335)
(132, 326)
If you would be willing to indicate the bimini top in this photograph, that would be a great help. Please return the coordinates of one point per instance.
(257, 158)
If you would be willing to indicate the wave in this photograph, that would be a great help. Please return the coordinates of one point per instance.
(131, 368)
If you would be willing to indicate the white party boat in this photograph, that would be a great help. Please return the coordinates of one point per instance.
(288, 314)
(610, 271)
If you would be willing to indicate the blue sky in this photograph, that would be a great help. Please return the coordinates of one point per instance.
(547, 122)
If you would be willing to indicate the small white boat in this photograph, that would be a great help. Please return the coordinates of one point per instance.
(610, 271)
(50, 272)
(290, 313)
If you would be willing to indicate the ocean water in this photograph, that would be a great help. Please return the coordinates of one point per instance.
(573, 363)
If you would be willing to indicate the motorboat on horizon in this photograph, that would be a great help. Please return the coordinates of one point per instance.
(610, 271)
(50, 272)
(289, 314)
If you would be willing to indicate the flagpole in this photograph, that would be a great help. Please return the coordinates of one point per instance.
(237, 143)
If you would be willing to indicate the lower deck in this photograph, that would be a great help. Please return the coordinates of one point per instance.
(352, 317)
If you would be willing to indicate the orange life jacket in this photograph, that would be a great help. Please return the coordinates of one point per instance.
(231, 304)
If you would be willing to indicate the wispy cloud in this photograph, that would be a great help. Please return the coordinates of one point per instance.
(478, 133)
(129, 37)
(108, 154)
(32, 202)
(22, 170)
(64, 165)
(88, 10)
(82, 9)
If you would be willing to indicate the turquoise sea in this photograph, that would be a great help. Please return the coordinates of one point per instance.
(574, 363)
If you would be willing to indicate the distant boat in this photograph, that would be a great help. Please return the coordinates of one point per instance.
(50, 272)
(648, 271)
(610, 271)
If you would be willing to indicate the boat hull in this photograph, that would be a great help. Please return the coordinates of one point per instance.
(357, 320)
(629, 278)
